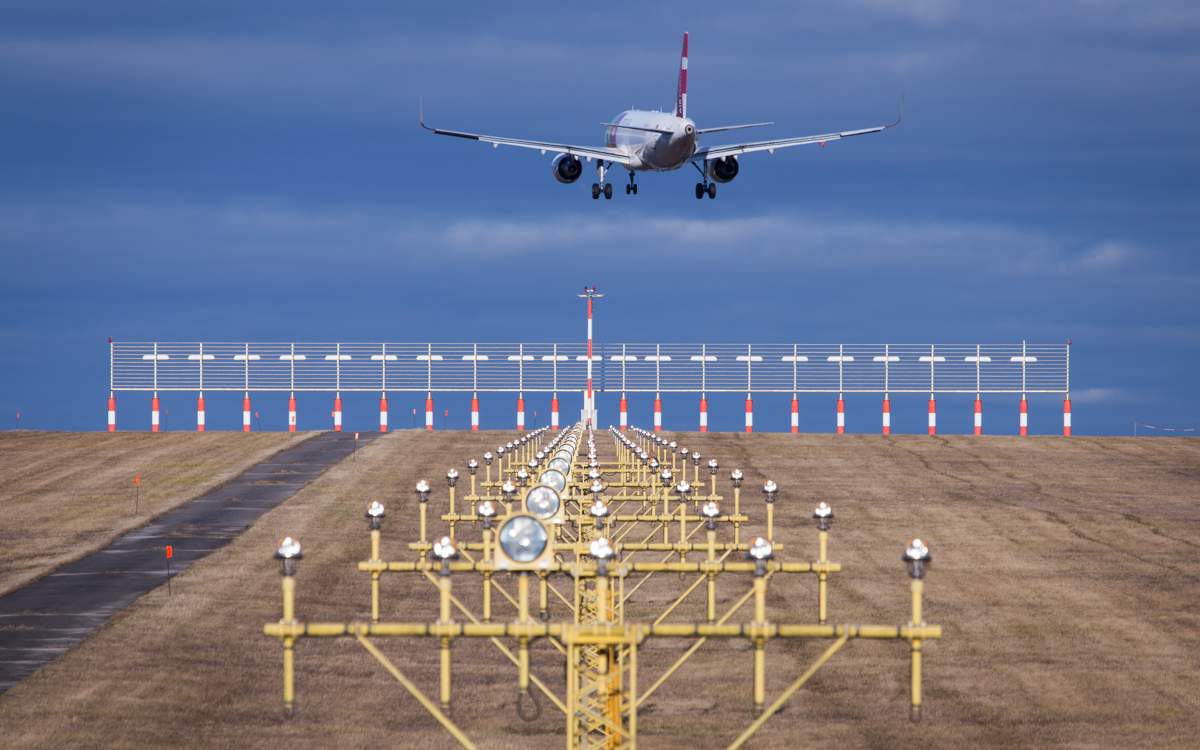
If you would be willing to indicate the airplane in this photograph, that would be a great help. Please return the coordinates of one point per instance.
(653, 141)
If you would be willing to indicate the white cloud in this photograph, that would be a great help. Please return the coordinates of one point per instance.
(1106, 256)
(1099, 395)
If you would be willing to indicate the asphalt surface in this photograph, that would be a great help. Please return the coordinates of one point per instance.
(39, 622)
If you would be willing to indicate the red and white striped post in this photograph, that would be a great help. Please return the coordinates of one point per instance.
(112, 412)
(589, 403)
(1024, 429)
(1067, 416)
(978, 414)
(246, 412)
(520, 412)
(292, 412)
(383, 412)
(932, 415)
(704, 412)
(337, 412)
(887, 415)
(624, 415)
(474, 412)
(795, 414)
(749, 413)
(841, 415)
(657, 412)
(154, 413)
(200, 412)
(429, 410)
(554, 412)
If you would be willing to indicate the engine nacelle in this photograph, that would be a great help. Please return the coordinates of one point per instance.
(566, 168)
(723, 170)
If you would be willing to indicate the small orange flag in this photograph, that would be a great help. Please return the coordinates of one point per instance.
(137, 480)
(170, 551)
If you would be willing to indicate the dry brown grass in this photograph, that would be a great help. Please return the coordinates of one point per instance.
(63, 495)
(1065, 576)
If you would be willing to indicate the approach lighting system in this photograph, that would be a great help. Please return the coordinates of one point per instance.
(824, 516)
(288, 553)
(544, 502)
(917, 558)
(553, 478)
(375, 515)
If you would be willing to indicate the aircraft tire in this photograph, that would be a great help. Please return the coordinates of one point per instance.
(712, 190)
(595, 191)
(608, 191)
(699, 191)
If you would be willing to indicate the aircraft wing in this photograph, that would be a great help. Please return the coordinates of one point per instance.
(736, 149)
(587, 152)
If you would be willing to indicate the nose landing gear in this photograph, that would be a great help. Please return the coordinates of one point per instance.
(632, 186)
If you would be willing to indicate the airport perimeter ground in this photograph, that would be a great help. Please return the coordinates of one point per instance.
(1066, 576)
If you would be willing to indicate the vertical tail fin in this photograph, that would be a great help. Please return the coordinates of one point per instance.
(681, 92)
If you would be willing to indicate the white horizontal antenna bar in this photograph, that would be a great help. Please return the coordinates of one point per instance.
(379, 357)
(197, 357)
(888, 358)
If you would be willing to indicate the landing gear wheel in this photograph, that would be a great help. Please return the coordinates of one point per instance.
(699, 191)
(634, 186)
(596, 191)
(628, 189)
(608, 191)
(712, 190)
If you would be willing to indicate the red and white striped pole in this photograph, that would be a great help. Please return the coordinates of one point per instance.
(292, 412)
(154, 412)
(474, 412)
(978, 414)
(657, 412)
(383, 412)
(589, 403)
(554, 412)
(841, 415)
(749, 413)
(112, 412)
(932, 415)
(520, 412)
(1067, 416)
(887, 415)
(704, 412)
(429, 411)
(246, 412)
(337, 412)
(624, 415)
(1024, 416)
(200, 412)
(795, 413)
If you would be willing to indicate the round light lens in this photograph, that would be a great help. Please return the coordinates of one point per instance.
(523, 538)
(553, 478)
(542, 501)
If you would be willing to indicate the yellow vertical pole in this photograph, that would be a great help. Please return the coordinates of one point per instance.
(666, 515)
(682, 527)
(444, 619)
(523, 644)
(760, 654)
(422, 523)
(289, 654)
(737, 511)
(712, 577)
(822, 576)
(712, 486)
(452, 537)
(770, 522)
(633, 670)
(917, 619)
(474, 494)
(543, 596)
(375, 576)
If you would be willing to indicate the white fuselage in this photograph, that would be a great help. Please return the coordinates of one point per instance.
(649, 151)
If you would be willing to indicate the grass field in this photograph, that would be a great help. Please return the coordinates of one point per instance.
(63, 495)
(1066, 576)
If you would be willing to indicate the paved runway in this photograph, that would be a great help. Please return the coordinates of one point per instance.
(40, 621)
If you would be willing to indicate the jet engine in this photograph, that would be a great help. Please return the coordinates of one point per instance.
(567, 168)
(723, 170)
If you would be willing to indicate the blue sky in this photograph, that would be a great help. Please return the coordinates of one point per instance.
(214, 171)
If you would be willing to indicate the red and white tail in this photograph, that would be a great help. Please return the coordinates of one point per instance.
(681, 93)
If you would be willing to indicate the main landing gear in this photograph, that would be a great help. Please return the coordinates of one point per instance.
(706, 186)
(632, 186)
(602, 186)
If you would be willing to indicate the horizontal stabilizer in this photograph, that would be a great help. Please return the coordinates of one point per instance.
(702, 131)
(635, 127)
